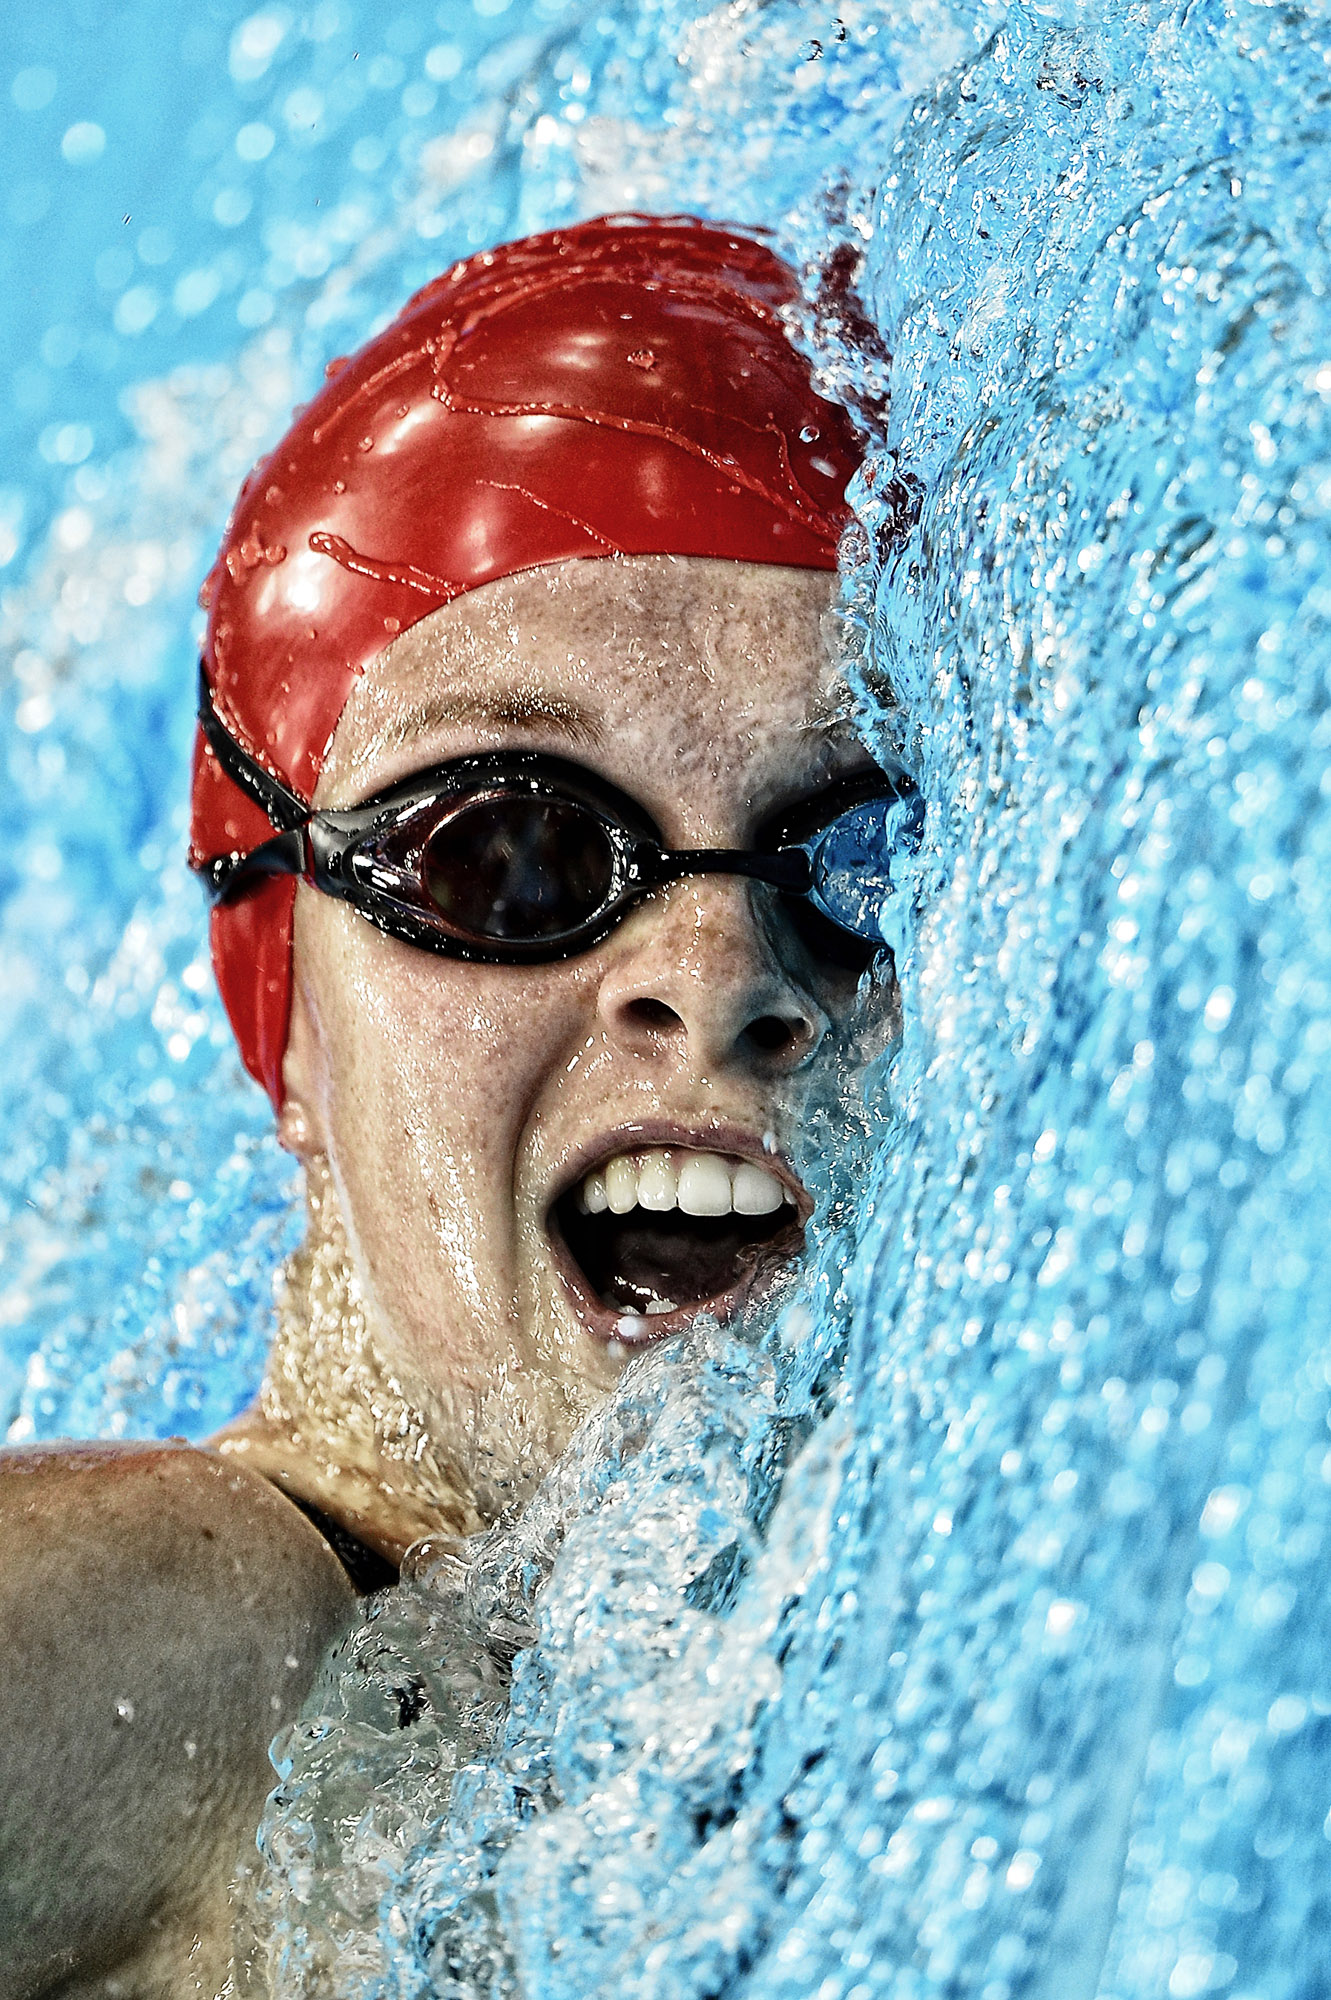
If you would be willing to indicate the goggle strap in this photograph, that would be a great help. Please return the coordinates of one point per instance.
(229, 875)
(285, 808)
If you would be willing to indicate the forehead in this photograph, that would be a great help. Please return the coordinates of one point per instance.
(618, 658)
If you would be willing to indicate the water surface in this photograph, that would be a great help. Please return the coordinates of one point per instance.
(966, 1635)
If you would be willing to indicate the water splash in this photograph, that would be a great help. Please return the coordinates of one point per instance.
(964, 1636)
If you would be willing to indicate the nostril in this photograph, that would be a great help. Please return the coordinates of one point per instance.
(773, 1035)
(653, 1015)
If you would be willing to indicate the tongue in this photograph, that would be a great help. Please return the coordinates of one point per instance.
(687, 1260)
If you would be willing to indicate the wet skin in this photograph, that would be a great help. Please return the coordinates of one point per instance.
(440, 1108)
(449, 1104)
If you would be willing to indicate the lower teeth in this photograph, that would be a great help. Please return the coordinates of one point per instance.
(660, 1306)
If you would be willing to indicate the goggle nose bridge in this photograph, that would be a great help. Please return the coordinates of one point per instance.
(318, 846)
(647, 864)
(789, 868)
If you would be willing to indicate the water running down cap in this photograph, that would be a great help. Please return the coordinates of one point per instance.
(637, 367)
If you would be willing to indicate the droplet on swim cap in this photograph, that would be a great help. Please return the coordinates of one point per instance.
(623, 387)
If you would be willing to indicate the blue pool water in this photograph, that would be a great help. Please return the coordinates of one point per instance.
(966, 1634)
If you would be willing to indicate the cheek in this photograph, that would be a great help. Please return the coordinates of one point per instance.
(429, 1071)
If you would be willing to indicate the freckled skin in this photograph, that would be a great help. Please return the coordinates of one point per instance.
(439, 1108)
(450, 1099)
(162, 1615)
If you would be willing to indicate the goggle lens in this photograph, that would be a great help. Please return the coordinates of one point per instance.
(519, 857)
(859, 861)
(520, 869)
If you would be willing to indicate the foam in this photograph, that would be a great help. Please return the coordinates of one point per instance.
(964, 1633)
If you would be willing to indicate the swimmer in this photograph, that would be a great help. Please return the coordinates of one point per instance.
(542, 865)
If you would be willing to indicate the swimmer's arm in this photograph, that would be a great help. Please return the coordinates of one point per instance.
(162, 1614)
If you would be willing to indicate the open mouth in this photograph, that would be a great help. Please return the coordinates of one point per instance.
(650, 1238)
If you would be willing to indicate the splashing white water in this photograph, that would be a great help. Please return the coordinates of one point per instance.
(965, 1636)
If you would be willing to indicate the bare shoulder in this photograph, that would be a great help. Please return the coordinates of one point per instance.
(162, 1614)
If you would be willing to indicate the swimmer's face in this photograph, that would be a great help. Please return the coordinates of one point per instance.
(462, 1108)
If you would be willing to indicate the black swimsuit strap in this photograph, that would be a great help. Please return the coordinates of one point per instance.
(365, 1567)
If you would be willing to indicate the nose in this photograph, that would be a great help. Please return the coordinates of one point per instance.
(691, 975)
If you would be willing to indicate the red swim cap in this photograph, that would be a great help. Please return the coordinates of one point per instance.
(626, 386)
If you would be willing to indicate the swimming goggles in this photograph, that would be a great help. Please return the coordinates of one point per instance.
(514, 857)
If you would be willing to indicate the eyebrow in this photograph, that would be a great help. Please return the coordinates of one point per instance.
(516, 708)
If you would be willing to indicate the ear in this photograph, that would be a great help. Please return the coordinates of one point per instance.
(300, 1125)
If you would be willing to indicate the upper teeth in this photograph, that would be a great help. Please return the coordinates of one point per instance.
(697, 1183)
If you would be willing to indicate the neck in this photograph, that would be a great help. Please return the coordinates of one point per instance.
(334, 1424)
